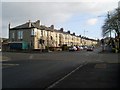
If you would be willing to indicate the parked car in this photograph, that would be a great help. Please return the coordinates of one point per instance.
(0, 48)
(78, 48)
(81, 48)
(84, 47)
(89, 48)
(73, 48)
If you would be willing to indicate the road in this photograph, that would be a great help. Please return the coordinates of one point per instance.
(34, 70)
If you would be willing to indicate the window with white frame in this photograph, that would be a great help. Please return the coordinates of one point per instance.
(20, 34)
(32, 32)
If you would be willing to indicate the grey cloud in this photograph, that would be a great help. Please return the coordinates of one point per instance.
(48, 12)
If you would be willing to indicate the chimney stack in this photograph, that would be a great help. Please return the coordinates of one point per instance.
(37, 23)
(73, 33)
(52, 26)
(29, 24)
(79, 35)
(68, 32)
(9, 26)
(61, 29)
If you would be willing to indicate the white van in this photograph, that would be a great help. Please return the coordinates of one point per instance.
(0, 48)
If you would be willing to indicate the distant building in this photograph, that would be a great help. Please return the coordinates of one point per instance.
(33, 35)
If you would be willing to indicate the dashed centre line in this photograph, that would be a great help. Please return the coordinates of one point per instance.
(6, 65)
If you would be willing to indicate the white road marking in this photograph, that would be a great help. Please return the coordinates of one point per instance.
(8, 65)
(3, 60)
(51, 86)
(31, 57)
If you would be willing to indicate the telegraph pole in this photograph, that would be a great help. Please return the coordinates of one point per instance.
(118, 11)
(84, 36)
(108, 15)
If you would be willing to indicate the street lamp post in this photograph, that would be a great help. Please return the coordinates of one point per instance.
(108, 16)
(84, 36)
(109, 30)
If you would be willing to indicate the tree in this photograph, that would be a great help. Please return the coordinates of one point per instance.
(112, 23)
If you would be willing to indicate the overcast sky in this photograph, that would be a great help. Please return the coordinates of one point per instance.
(74, 15)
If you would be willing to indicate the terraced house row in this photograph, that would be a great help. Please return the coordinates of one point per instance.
(33, 35)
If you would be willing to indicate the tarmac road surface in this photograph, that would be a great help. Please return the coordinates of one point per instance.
(26, 70)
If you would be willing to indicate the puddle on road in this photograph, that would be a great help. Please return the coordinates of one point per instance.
(101, 66)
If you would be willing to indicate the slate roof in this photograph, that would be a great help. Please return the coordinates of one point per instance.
(36, 25)
(41, 27)
(33, 25)
(26, 26)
